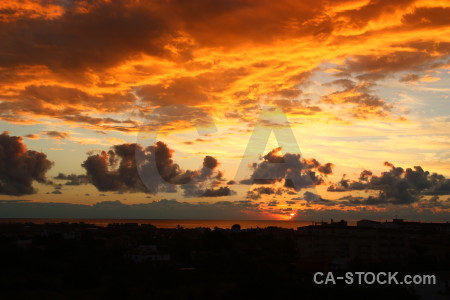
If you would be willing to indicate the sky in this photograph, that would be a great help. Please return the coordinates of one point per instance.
(284, 110)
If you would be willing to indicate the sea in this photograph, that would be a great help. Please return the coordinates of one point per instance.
(245, 224)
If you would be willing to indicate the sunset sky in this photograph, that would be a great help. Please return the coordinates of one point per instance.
(355, 94)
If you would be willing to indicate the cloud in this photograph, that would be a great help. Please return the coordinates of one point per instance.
(103, 34)
(410, 78)
(177, 116)
(256, 193)
(326, 169)
(358, 16)
(365, 175)
(273, 203)
(71, 73)
(209, 164)
(57, 135)
(360, 98)
(439, 185)
(314, 198)
(163, 209)
(19, 167)
(191, 90)
(297, 107)
(72, 179)
(295, 172)
(133, 168)
(434, 202)
(208, 175)
(13, 10)
(97, 37)
(397, 186)
(386, 64)
(83, 61)
(221, 191)
(32, 136)
(428, 16)
(361, 73)
(68, 104)
(116, 169)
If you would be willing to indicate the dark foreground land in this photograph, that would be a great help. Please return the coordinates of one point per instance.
(131, 261)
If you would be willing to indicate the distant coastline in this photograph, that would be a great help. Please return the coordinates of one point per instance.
(166, 223)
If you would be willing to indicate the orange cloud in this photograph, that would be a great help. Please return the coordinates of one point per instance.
(104, 64)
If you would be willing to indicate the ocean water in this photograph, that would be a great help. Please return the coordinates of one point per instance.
(171, 223)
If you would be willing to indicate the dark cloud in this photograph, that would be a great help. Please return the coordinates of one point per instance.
(410, 78)
(209, 164)
(439, 185)
(361, 16)
(363, 71)
(349, 185)
(163, 209)
(326, 169)
(365, 175)
(297, 173)
(360, 97)
(169, 116)
(185, 90)
(297, 107)
(86, 38)
(32, 136)
(68, 104)
(434, 202)
(437, 48)
(117, 170)
(263, 190)
(367, 69)
(273, 203)
(104, 35)
(56, 134)
(207, 175)
(133, 168)
(19, 167)
(397, 186)
(38, 98)
(222, 191)
(73, 179)
(313, 198)
(428, 17)
(76, 48)
(387, 64)
(240, 22)
(287, 93)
